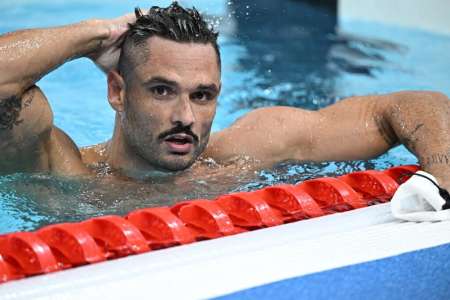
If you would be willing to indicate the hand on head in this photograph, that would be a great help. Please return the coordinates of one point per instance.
(106, 57)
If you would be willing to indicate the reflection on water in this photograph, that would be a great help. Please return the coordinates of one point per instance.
(287, 45)
(297, 53)
(361, 56)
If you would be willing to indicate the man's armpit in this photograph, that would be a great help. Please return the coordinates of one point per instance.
(386, 131)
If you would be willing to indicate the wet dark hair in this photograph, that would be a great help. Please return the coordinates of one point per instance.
(174, 23)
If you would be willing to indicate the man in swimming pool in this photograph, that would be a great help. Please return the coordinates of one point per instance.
(164, 77)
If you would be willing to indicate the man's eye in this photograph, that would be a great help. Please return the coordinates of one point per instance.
(161, 91)
(201, 96)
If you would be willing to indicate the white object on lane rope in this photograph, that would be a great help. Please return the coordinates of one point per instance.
(418, 200)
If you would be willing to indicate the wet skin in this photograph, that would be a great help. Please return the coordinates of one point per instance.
(165, 107)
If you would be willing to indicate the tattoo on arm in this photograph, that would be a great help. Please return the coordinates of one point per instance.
(410, 139)
(417, 128)
(9, 112)
(29, 98)
(10, 109)
(437, 159)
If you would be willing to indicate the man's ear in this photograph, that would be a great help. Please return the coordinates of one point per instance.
(116, 91)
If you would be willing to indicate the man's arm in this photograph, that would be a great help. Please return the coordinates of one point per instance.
(28, 55)
(418, 120)
(27, 135)
(355, 128)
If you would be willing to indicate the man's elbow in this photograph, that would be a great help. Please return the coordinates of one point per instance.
(414, 102)
(432, 96)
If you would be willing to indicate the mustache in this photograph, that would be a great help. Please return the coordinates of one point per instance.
(179, 129)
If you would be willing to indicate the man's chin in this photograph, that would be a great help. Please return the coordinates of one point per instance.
(176, 162)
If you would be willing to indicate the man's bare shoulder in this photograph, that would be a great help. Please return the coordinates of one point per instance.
(268, 134)
(25, 126)
(94, 154)
(64, 156)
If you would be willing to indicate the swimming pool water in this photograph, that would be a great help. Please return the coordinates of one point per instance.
(273, 52)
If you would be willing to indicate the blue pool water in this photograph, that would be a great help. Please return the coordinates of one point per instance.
(274, 53)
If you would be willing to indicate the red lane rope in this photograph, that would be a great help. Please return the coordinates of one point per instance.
(67, 245)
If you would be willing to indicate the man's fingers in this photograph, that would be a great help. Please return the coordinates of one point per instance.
(128, 18)
(121, 25)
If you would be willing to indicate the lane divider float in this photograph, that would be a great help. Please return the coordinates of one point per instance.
(67, 245)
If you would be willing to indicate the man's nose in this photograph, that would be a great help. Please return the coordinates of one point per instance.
(183, 113)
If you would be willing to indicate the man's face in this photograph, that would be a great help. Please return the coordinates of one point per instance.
(170, 101)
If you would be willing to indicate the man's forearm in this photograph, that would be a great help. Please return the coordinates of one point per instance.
(421, 121)
(28, 55)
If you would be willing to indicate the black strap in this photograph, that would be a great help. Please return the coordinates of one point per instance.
(442, 192)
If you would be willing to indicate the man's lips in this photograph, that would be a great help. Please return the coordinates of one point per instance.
(181, 137)
(179, 143)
